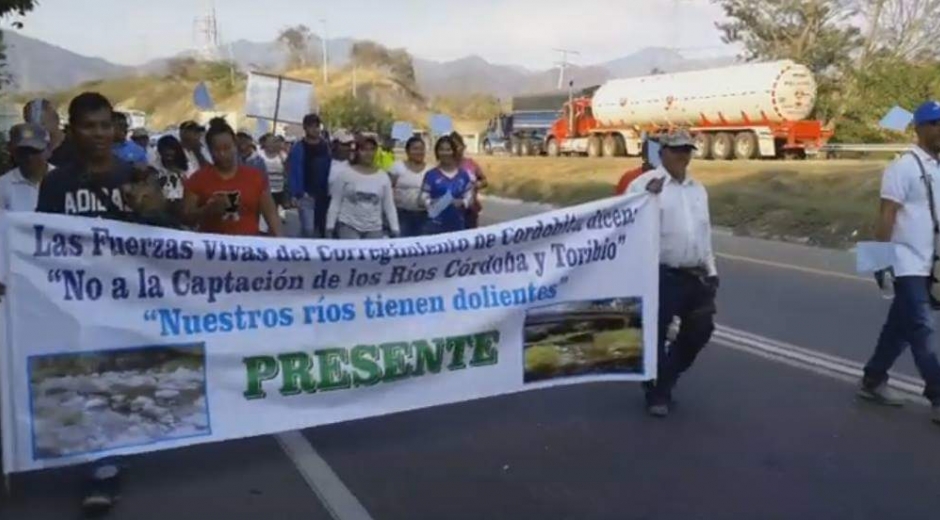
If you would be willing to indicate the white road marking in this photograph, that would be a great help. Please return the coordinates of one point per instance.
(824, 364)
(333, 494)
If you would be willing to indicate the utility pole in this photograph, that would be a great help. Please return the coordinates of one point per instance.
(326, 54)
(563, 64)
(355, 84)
(206, 34)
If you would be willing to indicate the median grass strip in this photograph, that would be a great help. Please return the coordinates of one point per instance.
(827, 203)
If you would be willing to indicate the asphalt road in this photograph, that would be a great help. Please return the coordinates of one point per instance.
(750, 438)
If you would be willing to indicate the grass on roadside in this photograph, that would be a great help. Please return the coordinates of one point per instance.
(830, 203)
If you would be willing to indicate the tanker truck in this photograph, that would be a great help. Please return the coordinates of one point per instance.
(742, 111)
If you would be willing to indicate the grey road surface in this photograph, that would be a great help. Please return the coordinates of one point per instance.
(750, 438)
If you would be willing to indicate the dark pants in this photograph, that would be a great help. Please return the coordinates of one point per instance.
(321, 205)
(909, 323)
(691, 297)
(411, 222)
(473, 218)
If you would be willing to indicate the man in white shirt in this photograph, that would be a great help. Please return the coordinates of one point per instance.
(19, 188)
(688, 279)
(905, 220)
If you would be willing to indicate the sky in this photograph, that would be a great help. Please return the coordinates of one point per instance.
(518, 32)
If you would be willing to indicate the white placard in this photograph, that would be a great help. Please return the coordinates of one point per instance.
(261, 98)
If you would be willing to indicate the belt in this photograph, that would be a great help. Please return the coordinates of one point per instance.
(697, 272)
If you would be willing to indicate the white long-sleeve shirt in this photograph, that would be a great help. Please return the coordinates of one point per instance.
(685, 229)
(407, 187)
(360, 200)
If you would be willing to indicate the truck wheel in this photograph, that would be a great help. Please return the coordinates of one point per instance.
(553, 150)
(722, 146)
(487, 148)
(745, 146)
(613, 146)
(703, 145)
(516, 148)
(594, 146)
(527, 148)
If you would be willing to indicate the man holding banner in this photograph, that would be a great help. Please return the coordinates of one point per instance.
(688, 278)
(98, 184)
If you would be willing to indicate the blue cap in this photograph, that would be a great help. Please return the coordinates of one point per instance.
(927, 113)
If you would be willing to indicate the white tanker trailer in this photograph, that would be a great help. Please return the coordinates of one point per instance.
(742, 111)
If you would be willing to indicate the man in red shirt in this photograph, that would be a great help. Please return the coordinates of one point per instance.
(630, 175)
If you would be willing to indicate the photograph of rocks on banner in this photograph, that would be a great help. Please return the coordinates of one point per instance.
(97, 401)
(584, 338)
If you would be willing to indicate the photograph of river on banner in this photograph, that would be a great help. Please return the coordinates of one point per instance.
(96, 401)
(584, 338)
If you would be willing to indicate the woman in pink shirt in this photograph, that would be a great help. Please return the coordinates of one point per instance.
(476, 174)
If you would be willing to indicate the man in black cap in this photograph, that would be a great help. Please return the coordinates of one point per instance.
(309, 178)
(688, 278)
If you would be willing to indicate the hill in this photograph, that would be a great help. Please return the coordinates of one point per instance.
(38, 66)
(62, 69)
(168, 99)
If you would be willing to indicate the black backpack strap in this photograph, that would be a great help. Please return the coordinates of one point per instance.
(928, 183)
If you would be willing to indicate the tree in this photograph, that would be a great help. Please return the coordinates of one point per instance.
(904, 29)
(8, 8)
(816, 33)
(358, 114)
(296, 41)
(397, 61)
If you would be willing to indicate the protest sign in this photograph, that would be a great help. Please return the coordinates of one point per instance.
(277, 98)
(897, 119)
(121, 339)
(201, 97)
(402, 131)
(441, 124)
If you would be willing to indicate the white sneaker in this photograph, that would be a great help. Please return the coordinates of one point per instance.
(880, 394)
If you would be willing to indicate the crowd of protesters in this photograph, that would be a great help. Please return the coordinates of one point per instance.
(344, 185)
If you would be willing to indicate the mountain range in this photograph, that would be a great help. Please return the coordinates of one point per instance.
(37, 66)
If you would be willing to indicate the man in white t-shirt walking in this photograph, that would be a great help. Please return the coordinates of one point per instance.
(905, 220)
(19, 188)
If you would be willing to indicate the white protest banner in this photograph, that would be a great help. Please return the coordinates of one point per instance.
(277, 98)
(121, 339)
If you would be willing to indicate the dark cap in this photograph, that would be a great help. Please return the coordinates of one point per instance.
(192, 126)
(29, 135)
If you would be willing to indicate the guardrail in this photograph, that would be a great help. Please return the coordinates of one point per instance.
(866, 148)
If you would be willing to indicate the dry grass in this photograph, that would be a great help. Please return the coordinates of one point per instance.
(829, 203)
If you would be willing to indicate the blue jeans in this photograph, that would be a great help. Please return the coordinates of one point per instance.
(305, 210)
(411, 222)
(909, 323)
(691, 297)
